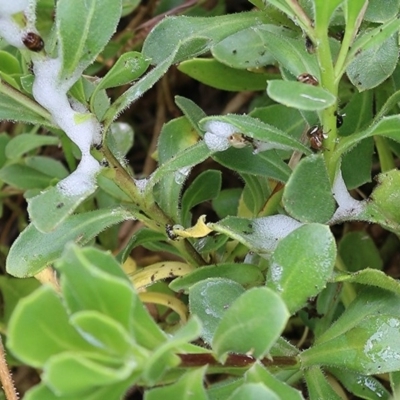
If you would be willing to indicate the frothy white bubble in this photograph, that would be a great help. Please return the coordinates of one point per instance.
(80, 126)
(217, 135)
(216, 143)
(268, 231)
(10, 7)
(82, 180)
(348, 207)
(10, 31)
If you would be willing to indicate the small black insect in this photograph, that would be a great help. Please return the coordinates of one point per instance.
(60, 205)
(316, 137)
(308, 79)
(170, 232)
(33, 41)
(339, 119)
(309, 45)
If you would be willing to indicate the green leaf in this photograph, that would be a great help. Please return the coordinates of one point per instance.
(112, 295)
(115, 391)
(387, 127)
(302, 264)
(256, 129)
(365, 339)
(247, 275)
(164, 357)
(357, 164)
(324, 11)
(247, 48)
(12, 291)
(376, 13)
(49, 332)
(371, 347)
(4, 139)
(174, 32)
(286, 119)
(260, 235)
(383, 207)
(70, 373)
(372, 39)
(227, 202)
(120, 139)
(364, 387)
(244, 161)
(253, 196)
(49, 209)
(180, 163)
(318, 386)
(373, 65)
(191, 111)
(209, 299)
(257, 373)
(219, 76)
(252, 324)
(26, 142)
(128, 67)
(299, 95)
(83, 29)
(189, 386)
(33, 250)
(367, 254)
(14, 106)
(24, 177)
(140, 87)
(253, 391)
(145, 330)
(9, 64)
(395, 384)
(176, 136)
(288, 51)
(103, 332)
(371, 277)
(205, 186)
(307, 196)
(47, 166)
(223, 389)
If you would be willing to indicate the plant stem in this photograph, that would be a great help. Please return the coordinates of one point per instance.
(384, 153)
(235, 360)
(5, 376)
(348, 292)
(328, 117)
(148, 211)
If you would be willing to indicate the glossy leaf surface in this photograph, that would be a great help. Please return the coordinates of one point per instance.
(252, 323)
(301, 264)
(33, 250)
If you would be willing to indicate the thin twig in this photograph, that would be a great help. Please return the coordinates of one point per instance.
(5, 376)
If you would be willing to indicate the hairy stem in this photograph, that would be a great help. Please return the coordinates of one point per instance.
(5, 376)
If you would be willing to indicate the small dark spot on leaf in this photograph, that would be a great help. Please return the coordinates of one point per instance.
(60, 205)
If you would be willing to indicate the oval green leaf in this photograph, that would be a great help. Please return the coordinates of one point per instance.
(217, 75)
(252, 324)
(33, 250)
(299, 95)
(84, 28)
(302, 264)
(209, 299)
(307, 196)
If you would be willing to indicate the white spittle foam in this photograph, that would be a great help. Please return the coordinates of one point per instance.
(82, 128)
